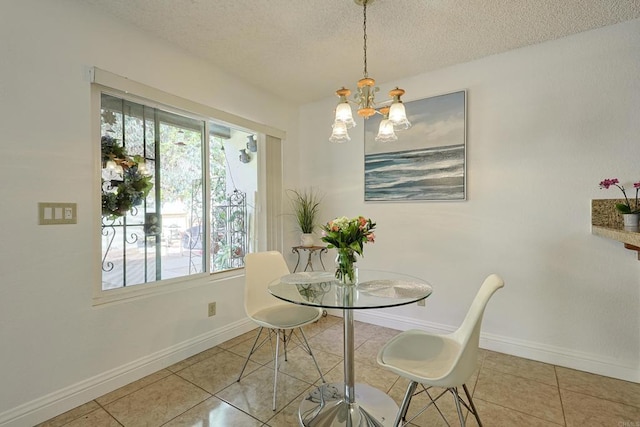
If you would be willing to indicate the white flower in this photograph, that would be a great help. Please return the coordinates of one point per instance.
(342, 223)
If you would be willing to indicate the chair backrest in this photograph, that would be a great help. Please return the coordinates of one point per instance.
(260, 269)
(468, 334)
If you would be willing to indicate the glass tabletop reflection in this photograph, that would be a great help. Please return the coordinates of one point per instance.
(375, 289)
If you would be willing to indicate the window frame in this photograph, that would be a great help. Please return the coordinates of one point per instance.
(105, 82)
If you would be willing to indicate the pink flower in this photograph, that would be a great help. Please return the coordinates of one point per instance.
(371, 238)
(362, 222)
(636, 185)
(609, 182)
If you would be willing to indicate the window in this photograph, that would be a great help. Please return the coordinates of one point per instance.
(178, 193)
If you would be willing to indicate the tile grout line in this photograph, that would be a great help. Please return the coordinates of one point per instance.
(564, 415)
(109, 413)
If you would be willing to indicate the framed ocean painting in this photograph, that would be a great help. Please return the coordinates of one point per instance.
(428, 161)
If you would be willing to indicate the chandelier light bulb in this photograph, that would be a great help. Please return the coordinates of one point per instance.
(398, 116)
(385, 132)
(339, 134)
(345, 115)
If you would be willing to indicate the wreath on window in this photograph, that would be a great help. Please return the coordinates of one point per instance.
(127, 183)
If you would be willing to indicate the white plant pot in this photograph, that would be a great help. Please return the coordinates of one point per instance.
(306, 239)
(631, 221)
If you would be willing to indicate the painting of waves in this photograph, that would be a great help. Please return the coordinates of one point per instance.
(435, 173)
(426, 161)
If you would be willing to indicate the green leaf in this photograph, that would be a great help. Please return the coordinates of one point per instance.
(622, 208)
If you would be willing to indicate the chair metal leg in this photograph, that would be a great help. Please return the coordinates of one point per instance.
(275, 367)
(285, 339)
(404, 406)
(454, 391)
(435, 404)
(306, 343)
(286, 342)
(474, 411)
(250, 352)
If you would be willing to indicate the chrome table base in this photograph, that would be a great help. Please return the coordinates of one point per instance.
(326, 406)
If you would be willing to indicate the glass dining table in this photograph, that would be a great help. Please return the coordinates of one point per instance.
(349, 404)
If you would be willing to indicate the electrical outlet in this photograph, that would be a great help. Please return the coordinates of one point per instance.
(421, 303)
(212, 309)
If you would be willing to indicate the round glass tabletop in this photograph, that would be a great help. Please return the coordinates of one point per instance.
(375, 289)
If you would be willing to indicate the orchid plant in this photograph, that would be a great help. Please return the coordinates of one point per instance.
(626, 207)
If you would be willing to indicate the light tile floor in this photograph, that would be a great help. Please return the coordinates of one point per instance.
(202, 390)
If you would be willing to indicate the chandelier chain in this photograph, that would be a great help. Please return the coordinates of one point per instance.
(364, 27)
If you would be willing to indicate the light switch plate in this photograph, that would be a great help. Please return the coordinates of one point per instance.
(52, 213)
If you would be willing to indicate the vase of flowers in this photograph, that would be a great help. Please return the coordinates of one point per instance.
(348, 236)
(630, 211)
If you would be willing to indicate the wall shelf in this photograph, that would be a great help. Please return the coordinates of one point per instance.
(606, 222)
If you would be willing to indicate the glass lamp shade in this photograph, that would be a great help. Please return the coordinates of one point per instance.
(398, 116)
(385, 132)
(344, 115)
(339, 134)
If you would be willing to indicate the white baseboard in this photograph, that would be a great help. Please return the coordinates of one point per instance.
(60, 401)
(560, 356)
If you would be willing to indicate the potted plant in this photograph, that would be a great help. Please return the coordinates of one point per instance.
(305, 204)
(630, 211)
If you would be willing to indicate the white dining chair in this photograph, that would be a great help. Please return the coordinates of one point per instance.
(440, 360)
(276, 316)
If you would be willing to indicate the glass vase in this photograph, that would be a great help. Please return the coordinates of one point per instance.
(346, 270)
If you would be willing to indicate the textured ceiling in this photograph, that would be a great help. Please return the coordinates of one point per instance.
(304, 50)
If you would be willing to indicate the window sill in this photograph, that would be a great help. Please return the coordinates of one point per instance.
(130, 293)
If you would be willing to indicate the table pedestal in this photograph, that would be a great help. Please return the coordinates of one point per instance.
(326, 406)
(347, 404)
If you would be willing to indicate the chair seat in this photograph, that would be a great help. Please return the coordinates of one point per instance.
(420, 356)
(286, 316)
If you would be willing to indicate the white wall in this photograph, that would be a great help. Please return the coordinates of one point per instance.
(57, 350)
(546, 124)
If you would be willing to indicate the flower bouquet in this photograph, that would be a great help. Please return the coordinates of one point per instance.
(348, 236)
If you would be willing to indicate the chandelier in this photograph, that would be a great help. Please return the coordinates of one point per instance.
(394, 115)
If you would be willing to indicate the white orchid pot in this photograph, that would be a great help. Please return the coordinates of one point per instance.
(631, 221)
